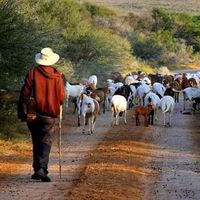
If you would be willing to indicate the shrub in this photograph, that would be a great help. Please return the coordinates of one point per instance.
(11, 127)
(99, 10)
(146, 47)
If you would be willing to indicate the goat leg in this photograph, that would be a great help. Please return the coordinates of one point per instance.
(137, 120)
(145, 121)
(164, 119)
(83, 131)
(125, 122)
(149, 119)
(79, 120)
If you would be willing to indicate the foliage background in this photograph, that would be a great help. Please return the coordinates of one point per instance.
(94, 39)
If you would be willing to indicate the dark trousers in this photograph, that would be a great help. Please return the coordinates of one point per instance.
(42, 130)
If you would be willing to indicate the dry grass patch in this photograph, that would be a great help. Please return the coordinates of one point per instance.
(140, 7)
(13, 155)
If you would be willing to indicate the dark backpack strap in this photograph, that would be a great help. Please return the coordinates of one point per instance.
(33, 84)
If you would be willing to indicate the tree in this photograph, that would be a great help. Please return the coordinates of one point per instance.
(146, 47)
(180, 25)
(90, 49)
(162, 19)
(21, 37)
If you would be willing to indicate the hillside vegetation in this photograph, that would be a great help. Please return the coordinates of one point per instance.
(93, 39)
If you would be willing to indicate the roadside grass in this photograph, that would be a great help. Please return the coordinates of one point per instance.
(14, 154)
(13, 148)
(15, 145)
(148, 69)
(188, 66)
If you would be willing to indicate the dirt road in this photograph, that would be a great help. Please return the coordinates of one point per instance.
(118, 163)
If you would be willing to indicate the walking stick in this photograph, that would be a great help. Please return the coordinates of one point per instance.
(60, 120)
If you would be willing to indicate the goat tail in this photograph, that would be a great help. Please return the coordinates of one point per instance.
(113, 110)
(165, 108)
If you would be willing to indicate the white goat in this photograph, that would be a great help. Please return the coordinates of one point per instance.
(92, 81)
(193, 75)
(147, 80)
(73, 91)
(111, 91)
(129, 79)
(159, 89)
(133, 95)
(167, 107)
(189, 93)
(88, 109)
(155, 101)
(111, 83)
(118, 105)
(142, 90)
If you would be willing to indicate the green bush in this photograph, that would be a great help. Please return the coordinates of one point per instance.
(180, 25)
(99, 10)
(10, 126)
(161, 48)
(146, 47)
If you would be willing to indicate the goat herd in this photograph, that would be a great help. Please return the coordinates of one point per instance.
(147, 94)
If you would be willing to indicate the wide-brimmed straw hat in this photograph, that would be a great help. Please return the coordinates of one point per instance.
(47, 57)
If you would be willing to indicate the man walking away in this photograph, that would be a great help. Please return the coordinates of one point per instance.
(46, 86)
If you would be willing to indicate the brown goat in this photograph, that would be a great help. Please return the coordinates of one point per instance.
(147, 112)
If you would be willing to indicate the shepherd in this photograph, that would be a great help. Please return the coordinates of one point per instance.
(46, 86)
